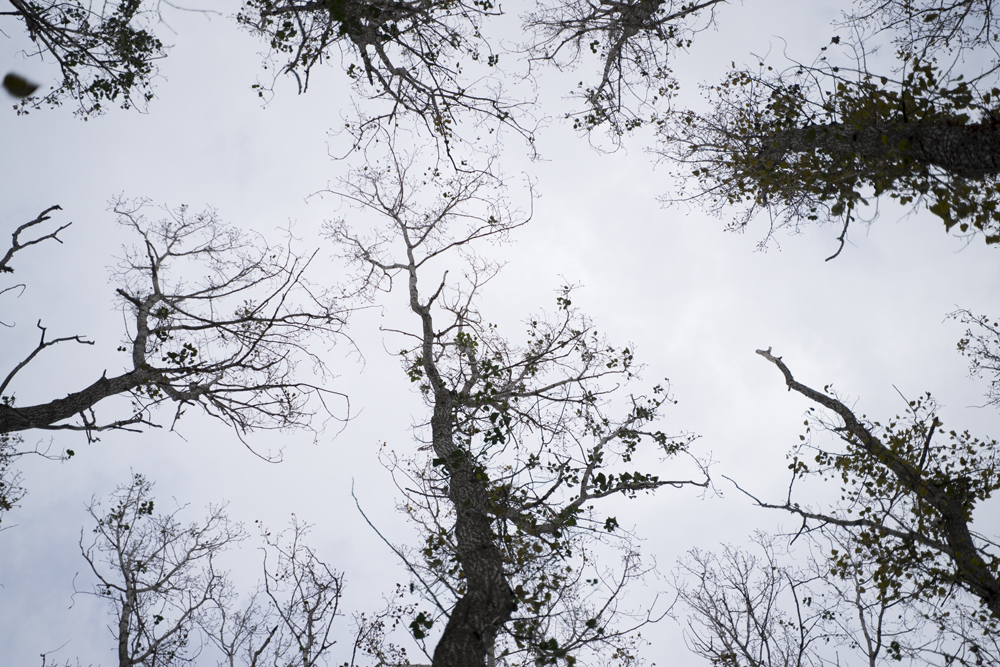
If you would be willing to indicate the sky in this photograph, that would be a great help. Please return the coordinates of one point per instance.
(693, 300)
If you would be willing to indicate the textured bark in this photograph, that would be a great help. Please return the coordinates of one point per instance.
(971, 570)
(47, 415)
(970, 150)
(488, 601)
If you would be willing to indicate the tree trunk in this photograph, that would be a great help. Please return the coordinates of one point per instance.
(124, 637)
(970, 151)
(488, 601)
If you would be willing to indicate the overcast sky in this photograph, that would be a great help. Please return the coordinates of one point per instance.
(694, 300)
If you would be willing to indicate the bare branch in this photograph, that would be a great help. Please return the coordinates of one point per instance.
(229, 342)
(409, 54)
(17, 244)
(633, 41)
(304, 594)
(42, 344)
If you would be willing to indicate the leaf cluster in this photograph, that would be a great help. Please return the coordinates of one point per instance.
(902, 528)
(107, 54)
(815, 143)
(909, 491)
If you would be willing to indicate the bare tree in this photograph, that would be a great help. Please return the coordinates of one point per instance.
(169, 600)
(521, 442)
(289, 621)
(215, 318)
(158, 576)
(750, 607)
(737, 612)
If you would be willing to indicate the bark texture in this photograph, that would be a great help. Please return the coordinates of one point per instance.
(970, 151)
(488, 601)
(47, 415)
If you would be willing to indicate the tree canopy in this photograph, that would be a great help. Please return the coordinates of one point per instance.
(535, 448)
(816, 142)
(804, 142)
(105, 55)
